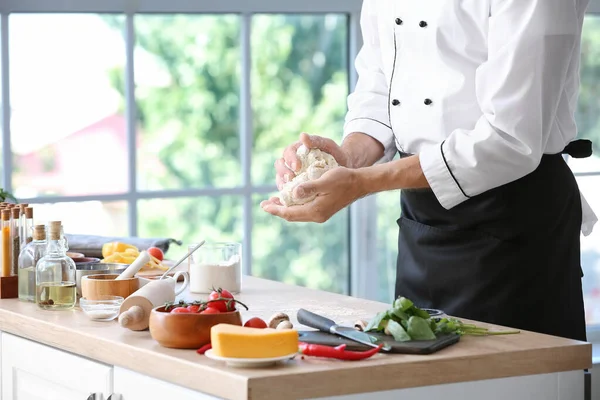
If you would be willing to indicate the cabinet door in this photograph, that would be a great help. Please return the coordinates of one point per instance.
(32, 371)
(130, 385)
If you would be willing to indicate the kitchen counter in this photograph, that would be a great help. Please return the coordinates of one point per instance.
(472, 359)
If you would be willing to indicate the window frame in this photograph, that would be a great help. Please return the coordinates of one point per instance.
(363, 276)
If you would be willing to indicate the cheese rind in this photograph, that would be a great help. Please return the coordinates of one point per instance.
(242, 342)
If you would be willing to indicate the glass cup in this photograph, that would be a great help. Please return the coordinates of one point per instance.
(216, 265)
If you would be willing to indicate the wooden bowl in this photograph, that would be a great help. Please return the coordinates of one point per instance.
(187, 331)
(93, 287)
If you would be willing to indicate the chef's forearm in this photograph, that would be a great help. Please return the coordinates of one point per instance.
(405, 173)
(362, 150)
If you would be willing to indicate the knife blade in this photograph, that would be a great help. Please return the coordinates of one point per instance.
(324, 324)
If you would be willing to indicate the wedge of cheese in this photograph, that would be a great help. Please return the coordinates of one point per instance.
(241, 342)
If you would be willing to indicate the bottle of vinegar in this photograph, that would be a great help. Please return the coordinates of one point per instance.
(55, 273)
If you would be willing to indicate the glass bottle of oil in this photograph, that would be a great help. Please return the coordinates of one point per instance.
(55, 273)
(28, 259)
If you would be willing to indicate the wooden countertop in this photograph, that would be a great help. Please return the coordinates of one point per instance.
(473, 358)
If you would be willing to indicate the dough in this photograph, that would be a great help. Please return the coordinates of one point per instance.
(314, 163)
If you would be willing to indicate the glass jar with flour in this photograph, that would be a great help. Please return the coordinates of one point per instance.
(216, 265)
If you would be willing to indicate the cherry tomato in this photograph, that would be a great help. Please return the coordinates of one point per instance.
(211, 310)
(255, 323)
(156, 253)
(194, 308)
(221, 305)
(180, 310)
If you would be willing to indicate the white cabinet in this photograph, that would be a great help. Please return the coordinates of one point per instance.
(32, 371)
(129, 385)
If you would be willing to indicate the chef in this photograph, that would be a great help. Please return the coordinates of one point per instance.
(478, 98)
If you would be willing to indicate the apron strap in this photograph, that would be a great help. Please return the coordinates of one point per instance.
(581, 148)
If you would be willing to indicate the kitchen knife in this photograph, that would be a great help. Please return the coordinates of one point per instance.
(323, 324)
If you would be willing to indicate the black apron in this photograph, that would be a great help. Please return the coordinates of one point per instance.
(509, 256)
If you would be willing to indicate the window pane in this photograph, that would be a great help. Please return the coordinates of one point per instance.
(588, 111)
(67, 124)
(191, 219)
(187, 92)
(299, 83)
(86, 218)
(590, 253)
(305, 254)
(388, 206)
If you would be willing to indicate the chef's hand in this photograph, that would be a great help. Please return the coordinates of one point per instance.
(335, 190)
(287, 166)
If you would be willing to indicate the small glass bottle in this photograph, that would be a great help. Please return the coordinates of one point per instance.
(5, 253)
(15, 239)
(28, 259)
(55, 273)
(27, 226)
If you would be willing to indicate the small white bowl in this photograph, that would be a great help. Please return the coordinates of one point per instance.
(106, 308)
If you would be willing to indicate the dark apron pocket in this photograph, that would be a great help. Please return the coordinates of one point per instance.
(466, 273)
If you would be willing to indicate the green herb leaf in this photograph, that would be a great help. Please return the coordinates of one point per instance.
(421, 313)
(418, 329)
(403, 303)
(398, 331)
(397, 314)
(375, 323)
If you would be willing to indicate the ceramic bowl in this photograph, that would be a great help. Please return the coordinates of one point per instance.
(93, 287)
(187, 331)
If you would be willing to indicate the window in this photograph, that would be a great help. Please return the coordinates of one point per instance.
(165, 121)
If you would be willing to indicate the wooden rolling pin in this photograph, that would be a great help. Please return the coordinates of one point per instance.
(135, 310)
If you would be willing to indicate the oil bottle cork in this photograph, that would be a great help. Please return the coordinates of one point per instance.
(39, 232)
(5, 215)
(55, 230)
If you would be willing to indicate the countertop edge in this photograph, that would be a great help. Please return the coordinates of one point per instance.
(382, 377)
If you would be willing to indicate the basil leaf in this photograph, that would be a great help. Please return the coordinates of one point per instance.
(419, 329)
(375, 323)
(421, 313)
(397, 331)
(397, 314)
(403, 303)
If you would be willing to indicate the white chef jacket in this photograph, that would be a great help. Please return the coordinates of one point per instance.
(480, 89)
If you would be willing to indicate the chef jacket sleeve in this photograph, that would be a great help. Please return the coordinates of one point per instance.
(519, 87)
(368, 103)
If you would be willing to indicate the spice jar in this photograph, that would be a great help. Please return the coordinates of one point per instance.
(55, 273)
(26, 225)
(28, 259)
(5, 251)
(15, 239)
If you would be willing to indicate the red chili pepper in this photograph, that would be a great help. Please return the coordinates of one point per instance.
(339, 352)
(204, 348)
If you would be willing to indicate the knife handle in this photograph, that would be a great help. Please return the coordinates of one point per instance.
(313, 320)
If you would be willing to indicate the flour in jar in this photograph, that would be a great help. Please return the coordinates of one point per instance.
(225, 275)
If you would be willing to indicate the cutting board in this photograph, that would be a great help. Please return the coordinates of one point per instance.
(411, 347)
